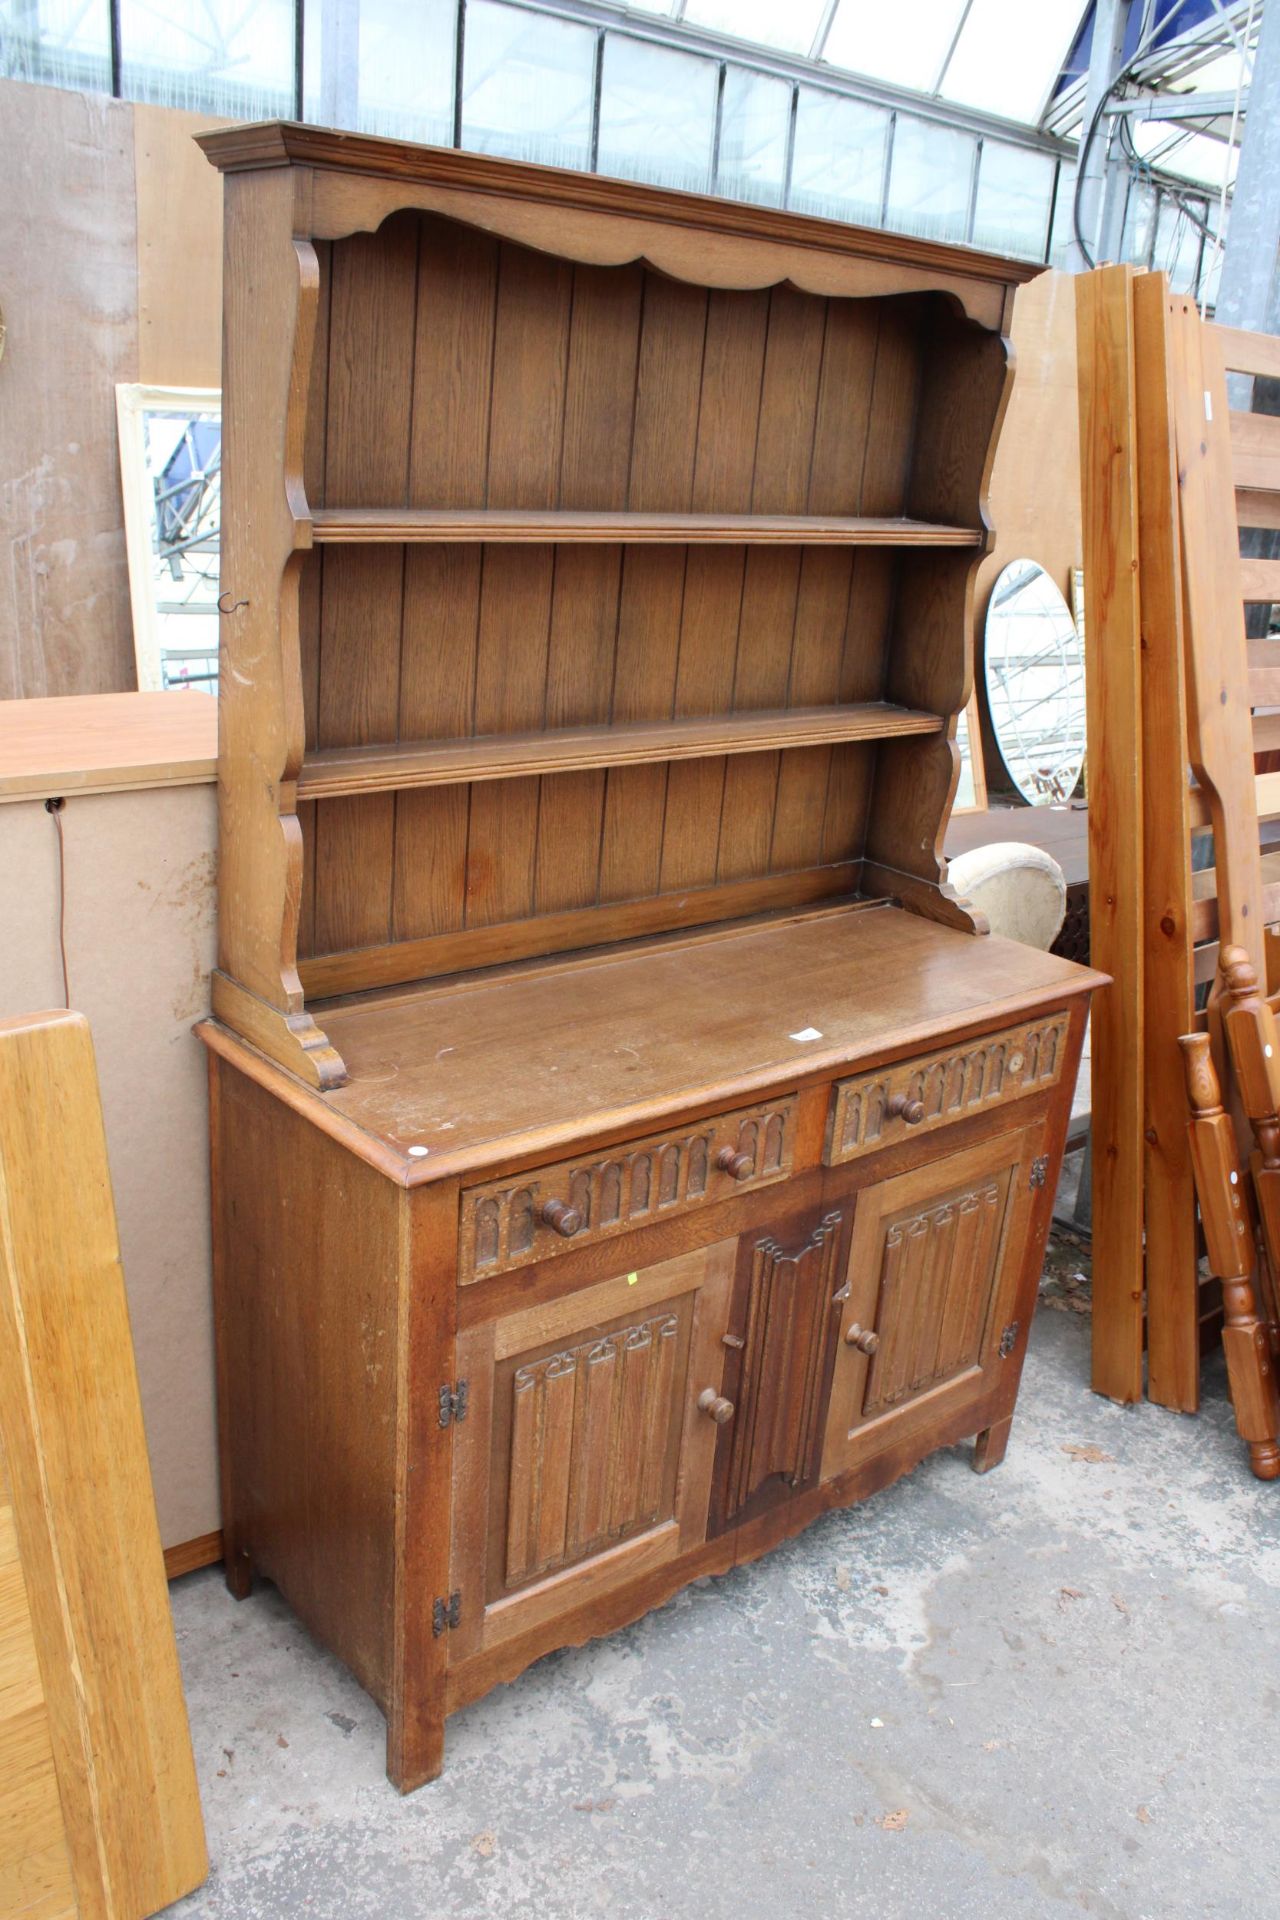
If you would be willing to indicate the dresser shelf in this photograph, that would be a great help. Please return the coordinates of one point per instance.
(336, 772)
(367, 526)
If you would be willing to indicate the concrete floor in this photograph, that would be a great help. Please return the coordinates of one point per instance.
(1045, 1692)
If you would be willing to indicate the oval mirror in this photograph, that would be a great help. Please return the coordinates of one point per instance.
(1035, 683)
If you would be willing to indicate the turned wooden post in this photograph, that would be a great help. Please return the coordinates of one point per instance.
(1254, 1039)
(1229, 1238)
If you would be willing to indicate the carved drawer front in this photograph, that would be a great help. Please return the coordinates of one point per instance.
(510, 1223)
(914, 1096)
(933, 1267)
(584, 1454)
(782, 1329)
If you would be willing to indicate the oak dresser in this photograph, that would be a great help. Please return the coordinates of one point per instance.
(626, 1146)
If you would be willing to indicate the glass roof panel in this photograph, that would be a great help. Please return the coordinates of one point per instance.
(527, 85)
(930, 178)
(754, 122)
(840, 150)
(657, 114)
(1193, 156)
(905, 46)
(768, 22)
(1008, 55)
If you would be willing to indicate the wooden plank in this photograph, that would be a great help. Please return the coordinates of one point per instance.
(600, 398)
(1205, 917)
(1266, 789)
(373, 299)
(767, 618)
(514, 756)
(75, 1456)
(651, 597)
(843, 423)
(329, 974)
(724, 465)
(730, 1002)
(1173, 1347)
(526, 429)
(817, 650)
(424, 1457)
(179, 203)
(894, 397)
(1104, 315)
(1218, 719)
(354, 526)
(65, 621)
(1033, 501)
(1259, 580)
(106, 743)
(1264, 670)
(35, 1868)
(452, 382)
(1255, 450)
(1257, 508)
(188, 1556)
(1243, 351)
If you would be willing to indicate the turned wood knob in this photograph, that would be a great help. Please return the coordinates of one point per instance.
(912, 1111)
(862, 1338)
(729, 1160)
(562, 1219)
(716, 1405)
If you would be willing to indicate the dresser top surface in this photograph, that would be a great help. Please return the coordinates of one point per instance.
(493, 1069)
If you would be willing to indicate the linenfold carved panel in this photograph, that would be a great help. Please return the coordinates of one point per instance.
(504, 1223)
(936, 1274)
(591, 1457)
(948, 1086)
(789, 1321)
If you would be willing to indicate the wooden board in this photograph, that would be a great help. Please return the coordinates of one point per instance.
(106, 743)
(84, 1517)
(179, 213)
(1172, 1250)
(1034, 501)
(533, 1056)
(67, 238)
(1104, 313)
(35, 1867)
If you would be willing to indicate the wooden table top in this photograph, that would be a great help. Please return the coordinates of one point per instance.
(536, 1060)
(1061, 831)
(106, 743)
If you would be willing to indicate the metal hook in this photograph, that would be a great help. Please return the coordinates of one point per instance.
(234, 607)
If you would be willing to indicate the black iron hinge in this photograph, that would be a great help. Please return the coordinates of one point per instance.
(1009, 1339)
(446, 1613)
(453, 1402)
(1039, 1171)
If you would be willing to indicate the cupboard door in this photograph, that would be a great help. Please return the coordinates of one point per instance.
(931, 1280)
(783, 1325)
(584, 1458)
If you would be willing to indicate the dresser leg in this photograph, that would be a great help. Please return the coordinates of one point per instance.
(237, 1567)
(415, 1748)
(989, 1447)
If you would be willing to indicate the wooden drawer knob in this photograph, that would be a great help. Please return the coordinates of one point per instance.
(901, 1105)
(714, 1404)
(729, 1160)
(862, 1338)
(562, 1219)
